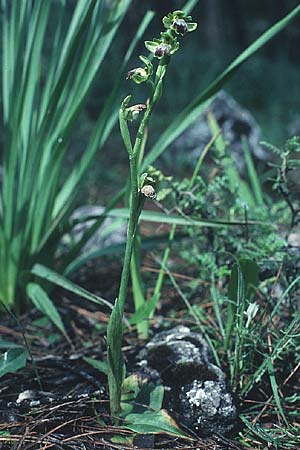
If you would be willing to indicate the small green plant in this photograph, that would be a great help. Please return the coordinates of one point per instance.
(286, 181)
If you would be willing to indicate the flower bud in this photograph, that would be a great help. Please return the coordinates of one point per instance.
(138, 75)
(148, 191)
(132, 112)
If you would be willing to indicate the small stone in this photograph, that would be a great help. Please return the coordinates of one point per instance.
(25, 395)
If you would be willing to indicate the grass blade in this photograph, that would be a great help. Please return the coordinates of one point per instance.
(154, 216)
(252, 173)
(58, 280)
(42, 302)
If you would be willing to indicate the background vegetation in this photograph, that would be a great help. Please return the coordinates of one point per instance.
(241, 285)
(225, 29)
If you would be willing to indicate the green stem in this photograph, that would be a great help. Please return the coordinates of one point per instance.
(161, 275)
(140, 142)
(131, 230)
(116, 366)
(201, 158)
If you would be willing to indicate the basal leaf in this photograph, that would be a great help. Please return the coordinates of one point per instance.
(154, 423)
(12, 360)
(97, 364)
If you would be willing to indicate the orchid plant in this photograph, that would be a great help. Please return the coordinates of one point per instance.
(142, 185)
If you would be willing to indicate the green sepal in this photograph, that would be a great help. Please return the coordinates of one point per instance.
(125, 103)
(138, 75)
(148, 64)
(141, 74)
(170, 40)
(192, 26)
(152, 45)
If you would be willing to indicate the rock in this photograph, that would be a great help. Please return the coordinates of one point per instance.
(195, 388)
(293, 127)
(235, 122)
(112, 231)
(293, 240)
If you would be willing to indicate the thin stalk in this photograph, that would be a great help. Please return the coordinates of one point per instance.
(131, 231)
(116, 366)
(161, 275)
(136, 276)
(137, 284)
(138, 150)
(201, 158)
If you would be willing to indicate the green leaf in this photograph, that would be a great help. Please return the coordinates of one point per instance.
(229, 165)
(42, 301)
(252, 173)
(7, 344)
(138, 396)
(243, 282)
(40, 110)
(119, 439)
(249, 271)
(285, 343)
(144, 311)
(115, 358)
(97, 364)
(274, 386)
(148, 243)
(187, 8)
(47, 274)
(154, 216)
(129, 391)
(156, 422)
(12, 360)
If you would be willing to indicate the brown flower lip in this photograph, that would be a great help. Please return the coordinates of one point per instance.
(137, 71)
(162, 50)
(130, 73)
(139, 107)
(180, 26)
